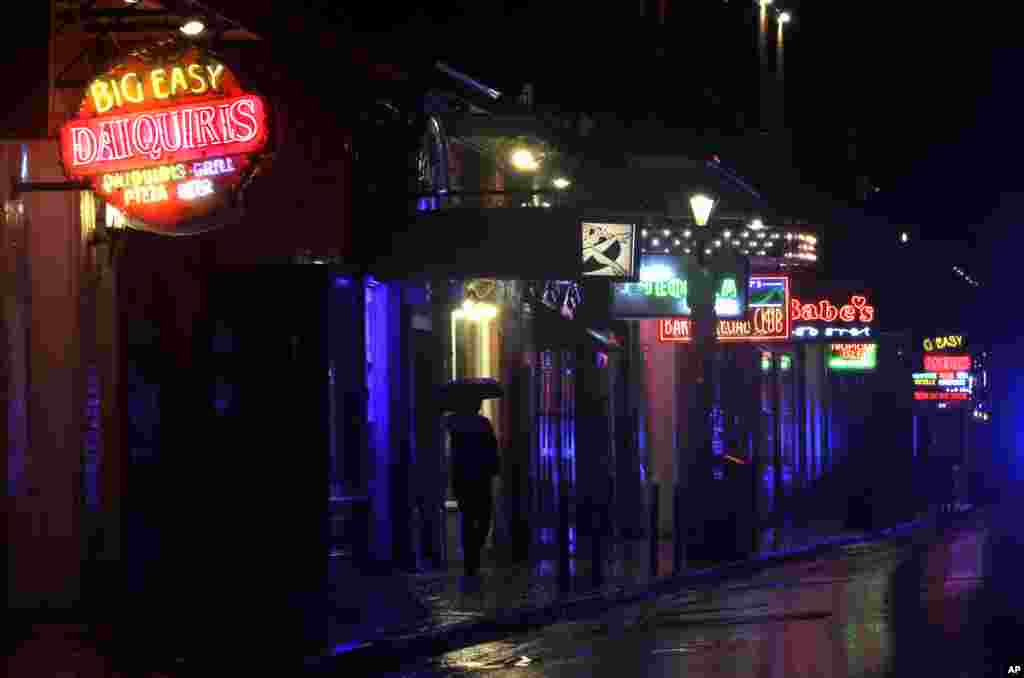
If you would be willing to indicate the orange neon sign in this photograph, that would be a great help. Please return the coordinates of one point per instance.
(167, 136)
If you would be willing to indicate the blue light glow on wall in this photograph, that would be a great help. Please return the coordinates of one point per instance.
(378, 330)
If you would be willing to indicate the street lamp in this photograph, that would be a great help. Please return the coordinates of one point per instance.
(701, 206)
(193, 27)
(561, 183)
(524, 160)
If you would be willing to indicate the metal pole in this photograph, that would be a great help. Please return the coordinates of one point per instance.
(654, 498)
(777, 480)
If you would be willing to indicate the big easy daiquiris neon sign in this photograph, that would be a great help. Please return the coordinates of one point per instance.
(168, 137)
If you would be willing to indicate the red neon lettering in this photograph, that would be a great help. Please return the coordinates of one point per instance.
(851, 351)
(674, 329)
(939, 395)
(827, 311)
(867, 313)
(768, 321)
(733, 328)
(96, 146)
(824, 310)
(243, 115)
(164, 123)
(83, 145)
(947, 363)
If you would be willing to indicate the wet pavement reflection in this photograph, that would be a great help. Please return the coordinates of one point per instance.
(908, 608)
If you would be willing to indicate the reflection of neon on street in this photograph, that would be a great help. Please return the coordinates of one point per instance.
(197, 188)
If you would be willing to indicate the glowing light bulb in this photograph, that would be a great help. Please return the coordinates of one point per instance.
(524, 160)
(193, 27)
(561, 183)
(701, 206)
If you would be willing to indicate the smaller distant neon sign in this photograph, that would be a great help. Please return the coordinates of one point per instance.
(940, 395)
(853, 356)
(944, 343)
(947, 363)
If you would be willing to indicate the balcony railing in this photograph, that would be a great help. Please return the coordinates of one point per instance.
(430, 202)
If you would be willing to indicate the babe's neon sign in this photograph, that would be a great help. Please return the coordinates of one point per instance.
(824, 320)
(857, 310)
(166, 137)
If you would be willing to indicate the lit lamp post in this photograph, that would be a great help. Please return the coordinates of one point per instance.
(701, 299)
(780, 63)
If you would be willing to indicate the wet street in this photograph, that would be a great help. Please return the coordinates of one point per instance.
(932, 606)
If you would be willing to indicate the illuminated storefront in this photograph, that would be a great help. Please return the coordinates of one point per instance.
(793, 375)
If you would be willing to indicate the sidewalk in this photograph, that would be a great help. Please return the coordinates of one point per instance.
(449, 614)
(515, 599)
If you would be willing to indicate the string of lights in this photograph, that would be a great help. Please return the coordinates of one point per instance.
(794, 248)
(963, 275)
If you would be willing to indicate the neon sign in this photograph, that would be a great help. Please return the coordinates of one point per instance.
(167, 136)
(823, 320)
(944, 343)
(853, 356)
(941, 395)
(857, 310)
(763, 322)
(811, 332)
(947, 363)
(664, 289)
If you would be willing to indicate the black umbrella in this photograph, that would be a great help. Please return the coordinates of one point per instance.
(470, 390)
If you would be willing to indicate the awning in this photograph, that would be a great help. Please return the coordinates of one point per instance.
(514, 243)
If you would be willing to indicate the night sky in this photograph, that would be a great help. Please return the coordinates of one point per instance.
(932, 89)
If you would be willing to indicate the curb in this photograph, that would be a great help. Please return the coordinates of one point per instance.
(390, 653)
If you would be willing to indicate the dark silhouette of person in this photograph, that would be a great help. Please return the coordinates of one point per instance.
(474, 448)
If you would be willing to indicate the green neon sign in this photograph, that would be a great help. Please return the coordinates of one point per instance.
(666, 282)
(853, 357)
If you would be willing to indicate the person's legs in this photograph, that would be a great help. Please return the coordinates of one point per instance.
(486, 511)
(470, 537)
(476, 525)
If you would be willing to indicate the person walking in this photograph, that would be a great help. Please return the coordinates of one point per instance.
(474, 462)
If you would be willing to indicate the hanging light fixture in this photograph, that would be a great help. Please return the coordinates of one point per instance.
(193, 27)
(701, 206)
